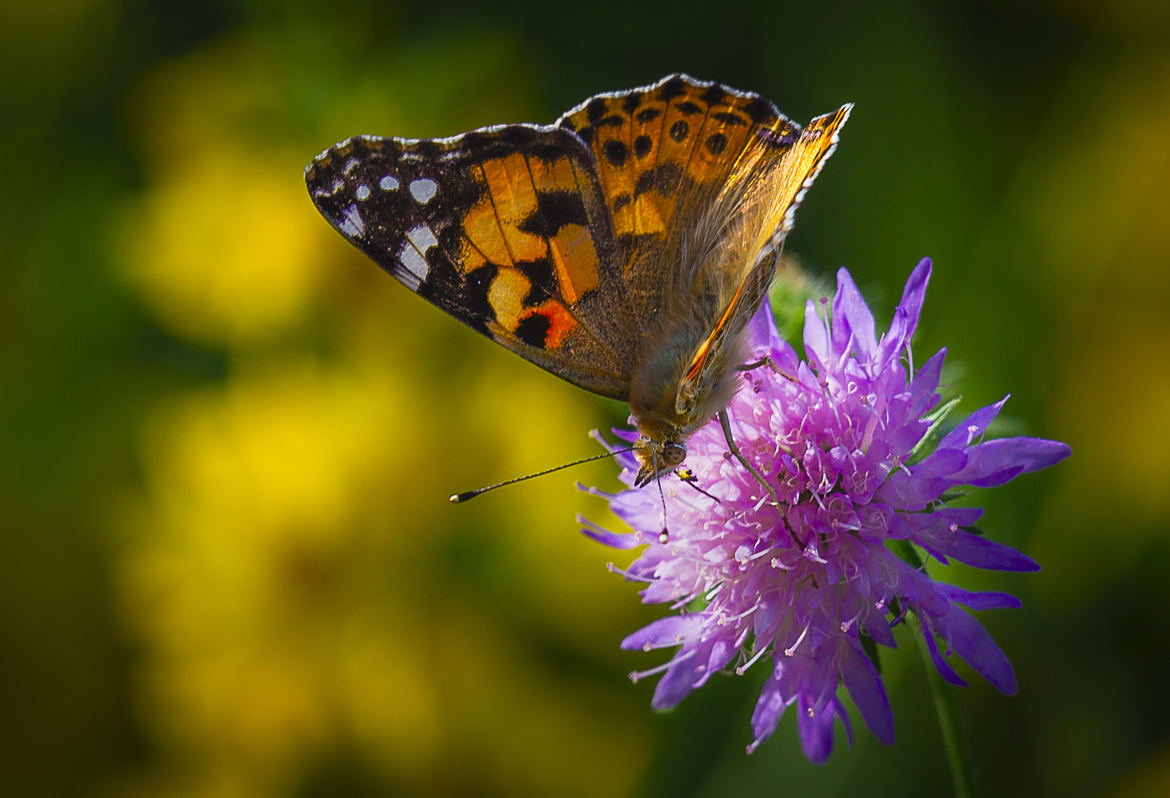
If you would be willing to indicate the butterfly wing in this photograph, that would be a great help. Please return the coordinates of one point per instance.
(664, 154)
(757, 215)
(504, 228)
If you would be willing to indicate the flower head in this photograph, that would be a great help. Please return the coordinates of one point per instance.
(801, 585)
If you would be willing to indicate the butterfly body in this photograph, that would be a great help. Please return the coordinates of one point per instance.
(623, 249)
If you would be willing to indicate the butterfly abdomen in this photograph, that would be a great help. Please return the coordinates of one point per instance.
(658, 392)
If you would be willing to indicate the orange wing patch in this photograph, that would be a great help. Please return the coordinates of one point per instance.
(575, 260)
(530, 225)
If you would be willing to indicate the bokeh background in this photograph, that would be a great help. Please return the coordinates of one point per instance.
(227, 566)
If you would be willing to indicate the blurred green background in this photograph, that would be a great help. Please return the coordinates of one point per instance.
(228, 567)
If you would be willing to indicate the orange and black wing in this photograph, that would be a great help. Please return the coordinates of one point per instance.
(665, 154)
(504, 228)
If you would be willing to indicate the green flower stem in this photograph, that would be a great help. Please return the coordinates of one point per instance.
(945, 705)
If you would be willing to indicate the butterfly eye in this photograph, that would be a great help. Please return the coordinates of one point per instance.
(674, 453)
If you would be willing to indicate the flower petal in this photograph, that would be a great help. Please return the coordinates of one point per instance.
(761, 330)
(816, 730)
(922, 389)
(940, 664)
(983, 553)
(973, 643)
(995, 462)
(672, 630)
(614, 540)
(905, 320)
(982, 600)
(686, 672)
(852, 320)
(766, 715)
(865, 686)
(816, 338)
(965, 432)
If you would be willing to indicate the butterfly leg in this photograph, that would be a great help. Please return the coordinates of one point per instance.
(725, 422)
(764, 361)
(755, 364)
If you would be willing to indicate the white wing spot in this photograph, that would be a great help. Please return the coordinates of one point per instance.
(362, 191)
(329, 192)
(413, 253)
(349, 166)
(352, 223)
(388, 183)
(423, 189)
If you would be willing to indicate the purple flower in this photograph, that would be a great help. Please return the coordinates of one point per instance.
(841, 438)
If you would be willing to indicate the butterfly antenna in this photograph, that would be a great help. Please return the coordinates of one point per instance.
(459, 498)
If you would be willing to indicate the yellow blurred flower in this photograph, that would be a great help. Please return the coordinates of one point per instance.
(290, 594)
(246, 563)
(224, 248)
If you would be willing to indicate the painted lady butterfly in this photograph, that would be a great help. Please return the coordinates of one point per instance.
(624, 248)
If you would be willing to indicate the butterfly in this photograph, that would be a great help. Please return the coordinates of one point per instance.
(623, 248)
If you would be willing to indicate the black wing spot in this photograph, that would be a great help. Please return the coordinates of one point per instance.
(518, 136)
(648, 115)
(675, 87)
(533, 330)
(728, 118)
(554, 210)
(642, 146)
(689, 108)
(631, 102)
(474, 140)
(760, 110)
(596, 109)
(680, 130)
(716, 143)
(613, 120)
(620, 201)
(544, 282)
(715, 95)
(616, 152)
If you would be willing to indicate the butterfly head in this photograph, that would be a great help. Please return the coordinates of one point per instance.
(657, 456)
(663, 426)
